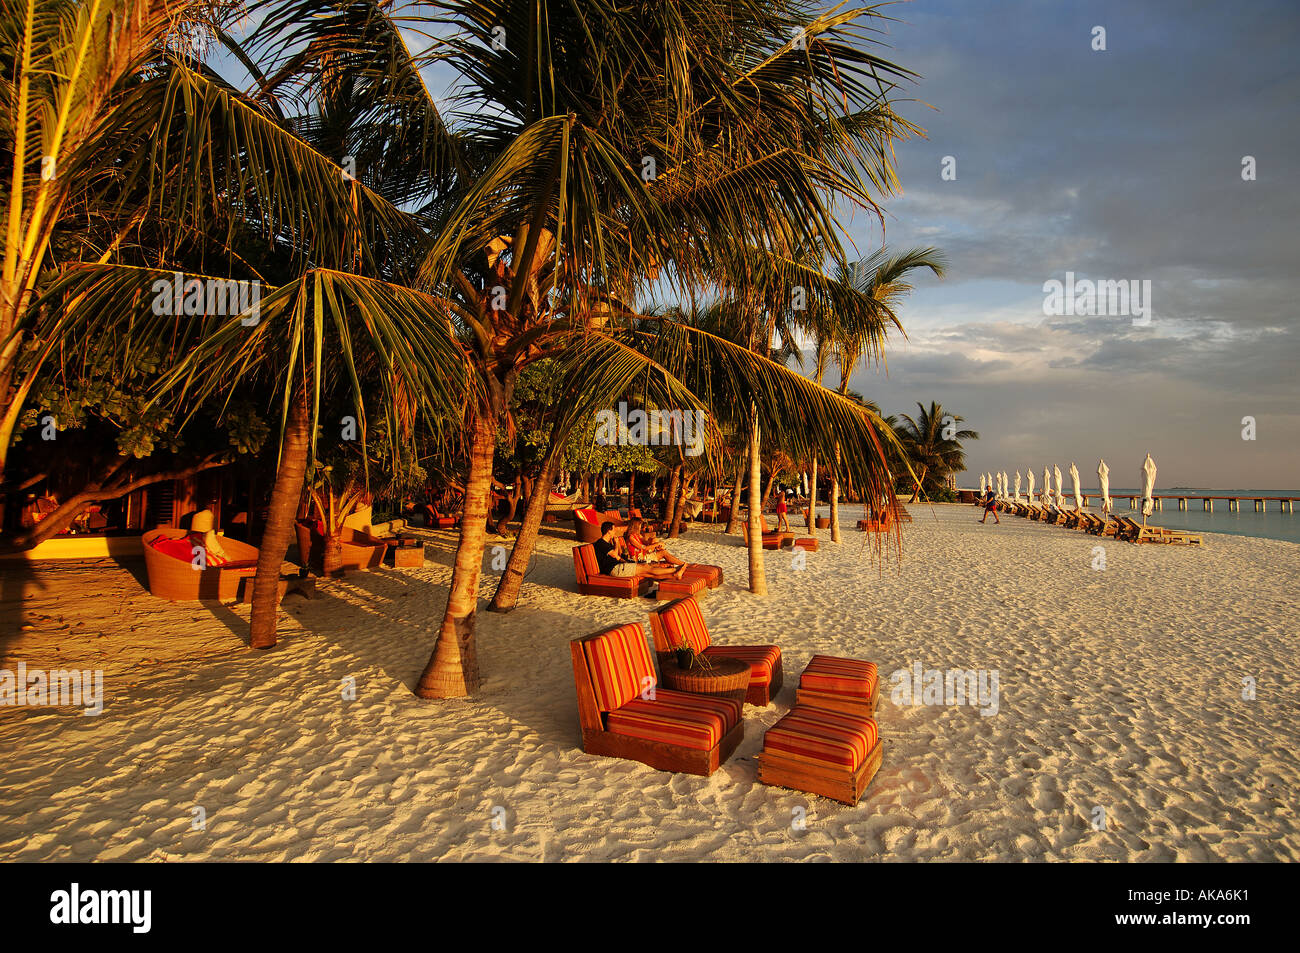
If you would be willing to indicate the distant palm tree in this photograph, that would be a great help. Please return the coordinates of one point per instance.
(933, 445)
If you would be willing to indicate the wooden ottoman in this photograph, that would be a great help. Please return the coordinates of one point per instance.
(408, 553)
(679, 588)
(839, 684)
(712, 575)
(808, 544)
(830, 753)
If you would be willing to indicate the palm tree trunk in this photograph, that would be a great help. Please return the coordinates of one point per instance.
(679, 504)
(757, 576)
(835, 498)
(812, 496)
(733, 521)
(507, 594)
(666, 508)
(285, 497)
(452, 671)
(919, 481)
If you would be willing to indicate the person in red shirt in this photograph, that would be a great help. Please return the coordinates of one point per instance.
(782, 523)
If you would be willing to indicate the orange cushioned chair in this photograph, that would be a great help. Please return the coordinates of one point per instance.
(624, 714)
(830, 753)
(840, 684)
(592, 583)
(681, 623)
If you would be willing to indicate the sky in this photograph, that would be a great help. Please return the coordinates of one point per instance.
(1115, 164)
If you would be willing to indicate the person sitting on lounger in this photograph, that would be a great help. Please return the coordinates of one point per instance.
(644, 548)
(613, 559)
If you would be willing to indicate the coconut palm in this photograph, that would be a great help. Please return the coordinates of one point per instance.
(520, 231)
(881, 280)
(932, 443)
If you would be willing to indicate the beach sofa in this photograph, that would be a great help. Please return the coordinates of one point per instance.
(680, 623)
(772, 539)
(168, 561)
(624, 714)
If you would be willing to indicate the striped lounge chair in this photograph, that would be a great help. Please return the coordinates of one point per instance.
(624, 714)
(591, 582)
(680, 623)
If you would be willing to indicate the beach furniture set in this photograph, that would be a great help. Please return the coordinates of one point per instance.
(689, 718)
(697, 578)
(1120, 527)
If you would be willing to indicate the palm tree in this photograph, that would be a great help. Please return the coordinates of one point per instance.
(521, 233)
(882, 279)
(932, 443)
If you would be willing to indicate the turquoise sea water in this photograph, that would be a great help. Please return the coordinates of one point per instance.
(1271, 524)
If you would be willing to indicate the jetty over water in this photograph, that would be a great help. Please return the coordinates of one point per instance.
(1285, 504)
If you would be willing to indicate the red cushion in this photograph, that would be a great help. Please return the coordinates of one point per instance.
(761, 659)
(840, 676)
(677, 718)
(587, 516)
(824, 737)
(177, 548)
(684, 625)
(619, 662)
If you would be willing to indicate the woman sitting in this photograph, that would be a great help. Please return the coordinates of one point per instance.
(615, 559)
(643, 547)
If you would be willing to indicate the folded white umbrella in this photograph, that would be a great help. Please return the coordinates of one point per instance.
(1060, 488)
(1017, 486)
(1103, 480)
(1006, 486)
(1148, 486)
(1074, 480)
(1031, 485)
(1047, 487)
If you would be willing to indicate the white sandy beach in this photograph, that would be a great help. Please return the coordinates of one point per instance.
(1119, 689)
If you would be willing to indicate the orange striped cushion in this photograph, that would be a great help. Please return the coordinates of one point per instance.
(619, 661)
(840, 676)
(684, 625)
(677, 718)
(589, 563)
(761, 659)
(824, 737)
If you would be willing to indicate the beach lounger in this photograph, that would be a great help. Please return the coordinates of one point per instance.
(772, 539)
(592, 583)
(1135, 532)
(681, 623)
(624, 714)
(357, 550)
(831, 753)
(840, 684)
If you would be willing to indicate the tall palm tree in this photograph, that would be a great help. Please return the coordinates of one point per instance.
(932, 443)
(519, 231)
(882, 278)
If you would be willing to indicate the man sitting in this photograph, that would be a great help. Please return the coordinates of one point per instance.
(613, 559)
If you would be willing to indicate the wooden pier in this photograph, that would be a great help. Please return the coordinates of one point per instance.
(1285, 504)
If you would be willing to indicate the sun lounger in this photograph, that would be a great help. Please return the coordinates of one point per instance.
(624, 714)
(680, 623)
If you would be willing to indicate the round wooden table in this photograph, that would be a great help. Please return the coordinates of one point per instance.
(728, 676)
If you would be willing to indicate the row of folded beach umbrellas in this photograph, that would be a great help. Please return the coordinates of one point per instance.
(999, 483)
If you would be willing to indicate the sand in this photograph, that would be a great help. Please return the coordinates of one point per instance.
(1120, 689)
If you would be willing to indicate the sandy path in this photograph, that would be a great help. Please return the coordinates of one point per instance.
(1119, 689)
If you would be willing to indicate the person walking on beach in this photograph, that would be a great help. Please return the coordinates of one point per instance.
(782, 524)
(990, 506)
